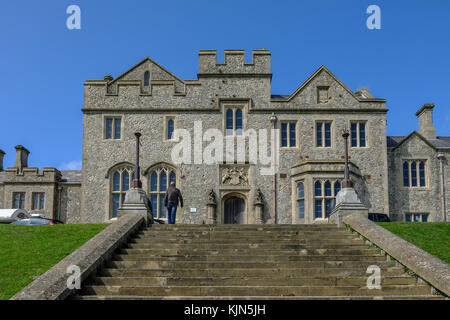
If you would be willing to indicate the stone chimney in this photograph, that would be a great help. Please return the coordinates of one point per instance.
(2, 154)
(425, 116)
(21, 157)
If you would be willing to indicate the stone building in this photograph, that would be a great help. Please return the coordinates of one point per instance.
(405, 177)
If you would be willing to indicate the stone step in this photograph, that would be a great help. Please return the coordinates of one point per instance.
(249, 281)
(250, 233)
(247, 258)
(256, 290)
(317, 242)
(242, 227)
(247, 251)
(390, 297)
(221, 246)
(138, 264)
(244, 237)
(255, 272)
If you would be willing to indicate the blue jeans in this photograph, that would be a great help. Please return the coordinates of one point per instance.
(171, 212)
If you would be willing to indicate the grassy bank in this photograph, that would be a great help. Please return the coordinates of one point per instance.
(431, 237)
(28, 251)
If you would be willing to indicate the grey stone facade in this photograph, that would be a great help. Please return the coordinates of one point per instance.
(376, 168)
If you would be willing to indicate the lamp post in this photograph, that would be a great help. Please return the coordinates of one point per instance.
(137, 180)
(347, 183)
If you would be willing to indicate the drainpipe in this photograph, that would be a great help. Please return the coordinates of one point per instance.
(273, 120)
(441, 157)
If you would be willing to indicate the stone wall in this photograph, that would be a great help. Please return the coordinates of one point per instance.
(70, 203)
(220, 85)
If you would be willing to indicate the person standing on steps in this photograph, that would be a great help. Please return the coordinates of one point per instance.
(173, 195)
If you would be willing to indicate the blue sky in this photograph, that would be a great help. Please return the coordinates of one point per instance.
(43, 64)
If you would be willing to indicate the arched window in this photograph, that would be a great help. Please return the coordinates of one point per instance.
(238, 125)
(120, 183)
(170, 128)
(301, 200)
(405, 174)
(324, 197)
(229, 124)
(160, 178)
(146, 78)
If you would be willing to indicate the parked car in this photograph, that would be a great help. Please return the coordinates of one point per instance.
(11, 215)
(37, 221)
(379, 217)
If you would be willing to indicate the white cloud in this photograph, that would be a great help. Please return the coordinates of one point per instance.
(71, 165)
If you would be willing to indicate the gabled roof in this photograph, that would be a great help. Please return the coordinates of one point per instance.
(393, 142)
(147, 59)
(325, 69)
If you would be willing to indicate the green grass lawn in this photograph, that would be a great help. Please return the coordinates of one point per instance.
(29, 251)
(433, 237)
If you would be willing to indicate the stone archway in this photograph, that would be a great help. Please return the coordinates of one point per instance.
(234, 209)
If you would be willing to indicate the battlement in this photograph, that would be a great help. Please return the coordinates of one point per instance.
(234, 62)
(32, 175)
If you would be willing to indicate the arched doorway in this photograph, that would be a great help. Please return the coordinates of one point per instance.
(234, 210)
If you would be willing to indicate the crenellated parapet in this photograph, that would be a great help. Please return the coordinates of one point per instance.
(32, 175)
(234, 63)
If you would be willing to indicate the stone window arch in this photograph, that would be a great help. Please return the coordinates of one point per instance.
(121, 177)
(325, 192)
(159, 178)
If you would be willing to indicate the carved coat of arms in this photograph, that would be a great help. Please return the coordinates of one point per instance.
(234, 176)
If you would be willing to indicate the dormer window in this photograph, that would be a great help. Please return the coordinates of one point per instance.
(146, 78)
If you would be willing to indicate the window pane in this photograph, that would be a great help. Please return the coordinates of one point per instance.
(162, 209)
(22, 201)
(292, 134)
(163, 182)
(405, 174)
(147, 78)
(35, 201)
(327, 134)
(284, 134)
(416, 217)
(422, 173)
(408, 218)
(154, 182)
(238, 124)
(318, 208)
(319, 134)
(116, 199)
(16, 201)
(301, 191)
(328, 189)
(172, 177)
(424, 218)
(154, 201)
(318, 189)
(337, 188)
(125, 181)
(116, 181)
(353, 135)
(362, 134)
(328, 207)
(229, 122)
(170, 128)
(413, 174)
(108, 128)
(117, 128)
(301, 209)
(41, 201)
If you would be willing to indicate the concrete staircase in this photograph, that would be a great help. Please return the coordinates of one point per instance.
(249, 262)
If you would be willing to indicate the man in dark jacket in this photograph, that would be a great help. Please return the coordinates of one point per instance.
(171, 202)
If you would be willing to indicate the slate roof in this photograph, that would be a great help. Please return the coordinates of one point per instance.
(439, 142)
(70, 176)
